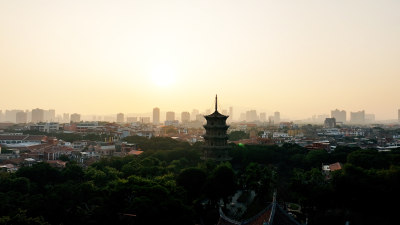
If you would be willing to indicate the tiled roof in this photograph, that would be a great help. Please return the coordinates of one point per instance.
(335, 166)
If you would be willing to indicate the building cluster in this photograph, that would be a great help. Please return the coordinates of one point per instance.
(18, 149)
(37, 115)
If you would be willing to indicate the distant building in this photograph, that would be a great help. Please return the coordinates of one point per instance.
(263, 117)
(156, 116)
(330, 123)
(145, 119)
(50, 115)
(37, 115)
(45, 127)
(185, 117)
(120, 118)
(369, 118)
(230, 113)
(357, 117)
(199, 118)
(339, 115)
(21, 117)
(171, 123)
(398, 115)
(277, 117)
(66, 118)
(131, 119)
(194, 114)
(75, 118)
(251, 116)
(170, 116)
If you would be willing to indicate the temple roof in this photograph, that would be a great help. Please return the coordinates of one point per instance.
(273, 214)
(216, 114)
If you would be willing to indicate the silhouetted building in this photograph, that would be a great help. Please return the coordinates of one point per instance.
(330, 123)
(216, 146)
(21, 117)
(75, 118)
(37, 115)
(185, 117)
(339, 115)
(156, 116)
(357, 117)
(170, 116)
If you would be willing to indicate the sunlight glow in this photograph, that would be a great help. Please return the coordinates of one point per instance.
(163, 75)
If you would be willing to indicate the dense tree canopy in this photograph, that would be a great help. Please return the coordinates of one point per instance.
(169, 184)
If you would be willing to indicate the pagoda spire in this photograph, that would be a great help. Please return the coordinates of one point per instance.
(216, 102)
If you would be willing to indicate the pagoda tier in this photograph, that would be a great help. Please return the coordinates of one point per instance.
(216, 146)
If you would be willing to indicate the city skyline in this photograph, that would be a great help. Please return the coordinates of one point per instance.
(158, 116)
(105, 57)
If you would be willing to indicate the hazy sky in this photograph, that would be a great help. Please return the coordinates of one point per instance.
(297, 57)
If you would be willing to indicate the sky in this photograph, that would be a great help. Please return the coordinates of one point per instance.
(298, 57)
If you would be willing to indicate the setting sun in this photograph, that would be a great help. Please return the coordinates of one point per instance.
(163, 75)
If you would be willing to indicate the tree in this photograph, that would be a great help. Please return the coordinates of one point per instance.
(193, 180)
(237, 135)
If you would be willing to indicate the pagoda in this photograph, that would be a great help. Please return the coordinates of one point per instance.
(216, 146)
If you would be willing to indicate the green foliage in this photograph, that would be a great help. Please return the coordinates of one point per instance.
(237, 135)
(193, 180)
(170, 181)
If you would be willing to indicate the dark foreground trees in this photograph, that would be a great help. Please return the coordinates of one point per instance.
(173, 186)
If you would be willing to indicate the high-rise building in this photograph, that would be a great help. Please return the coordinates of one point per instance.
(170, 116)
(195, 112)
(37, 115)
(231, 113)
(156, 116)
(10, 115)
(398, 115)
(120, 118)
(357, 117)
(66, 118)
(277, 117)
(1, 115)
(251, 116)
(21, 117)
(330, 123)
(263, 117)
(339, 115)
(75, 118)
(50, 115)
(216, 146)
(185, 117)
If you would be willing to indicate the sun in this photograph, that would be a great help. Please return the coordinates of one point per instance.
(163, 75)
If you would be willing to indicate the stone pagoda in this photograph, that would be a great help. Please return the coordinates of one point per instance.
(216, 146)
